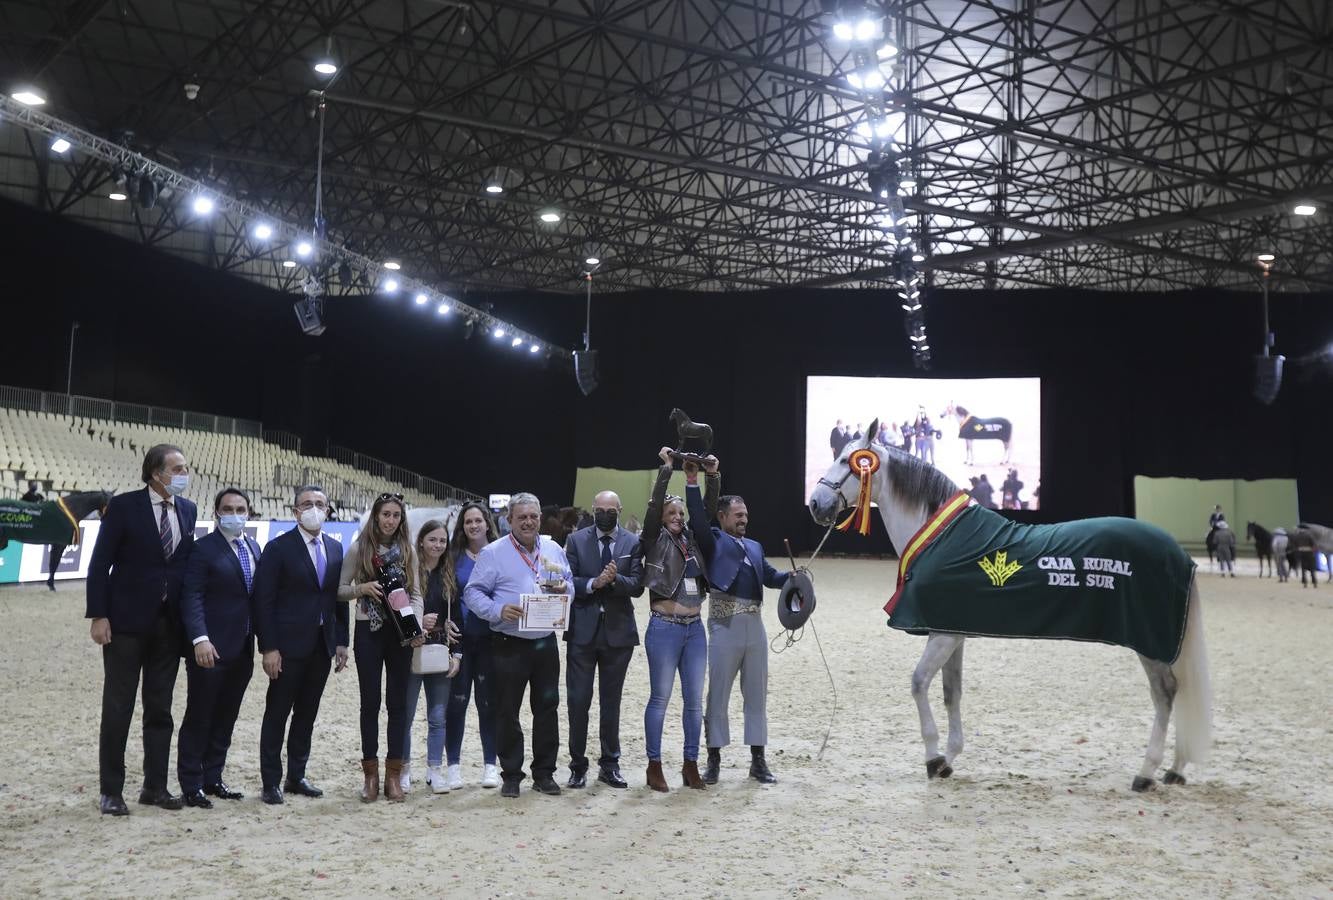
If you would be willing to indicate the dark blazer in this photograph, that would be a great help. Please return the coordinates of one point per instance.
(289, 601)
(127, 575)
(214, 600)
(723, 557)
(583, 549)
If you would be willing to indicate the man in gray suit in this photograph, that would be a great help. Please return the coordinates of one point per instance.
(602, 634)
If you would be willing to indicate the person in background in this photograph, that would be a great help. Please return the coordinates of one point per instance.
(676, 641)
(502, 521)
(217, 608)
(907, 432)
(1226, 548)
(983, 493)
(883, 436)
(1009, 491)
(134, 588)
(473, 530)
(34, 494)
(300, 627)
(438, 613)
(525, 562)
(377, 648)
(835, 439)
(601, 637)
(1215, 516)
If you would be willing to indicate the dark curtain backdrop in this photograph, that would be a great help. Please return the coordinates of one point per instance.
(1151, 384)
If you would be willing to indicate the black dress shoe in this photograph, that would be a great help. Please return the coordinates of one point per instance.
(222, 792)
(577, 779)
(161, 798)
(112, 805)
(759, 771)
(272, 796)
(714, 767)
(197, 800)
(302, 787)
(509, 789)
(612, 777)
(546, 785)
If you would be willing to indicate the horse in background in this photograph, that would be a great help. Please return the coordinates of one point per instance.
(1323, 545)
(81, 505)
(1263, 545)
(559, 521)
(972, 428)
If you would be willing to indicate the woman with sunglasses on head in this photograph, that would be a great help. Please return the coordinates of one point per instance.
(438, 614)
(474, 529)
(676, 640)
(382, 541)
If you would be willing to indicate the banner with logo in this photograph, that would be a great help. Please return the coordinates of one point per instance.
(971, 571)
(32, 562)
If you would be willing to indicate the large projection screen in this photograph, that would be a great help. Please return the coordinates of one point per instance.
(996, 408)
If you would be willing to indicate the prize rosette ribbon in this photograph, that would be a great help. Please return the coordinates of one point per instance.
(864, 463)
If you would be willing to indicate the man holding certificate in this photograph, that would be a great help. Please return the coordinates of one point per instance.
(522, 585)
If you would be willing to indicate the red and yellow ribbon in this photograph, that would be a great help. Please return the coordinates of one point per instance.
(865, 463)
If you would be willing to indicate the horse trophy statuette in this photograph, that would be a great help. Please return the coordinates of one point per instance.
(694, 440)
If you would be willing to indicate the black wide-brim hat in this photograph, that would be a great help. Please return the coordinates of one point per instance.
(797, 600)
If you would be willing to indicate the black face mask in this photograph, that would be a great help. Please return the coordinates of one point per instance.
(606, 519)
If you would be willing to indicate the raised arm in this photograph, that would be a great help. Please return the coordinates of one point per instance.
(652, 518)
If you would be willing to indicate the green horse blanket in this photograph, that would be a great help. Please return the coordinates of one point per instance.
(971, 571)
(49, 522)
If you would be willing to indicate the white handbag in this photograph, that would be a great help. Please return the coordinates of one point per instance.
(430, 659)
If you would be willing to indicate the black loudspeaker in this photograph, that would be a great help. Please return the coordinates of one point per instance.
(585, 370)
(1267, 377)
(308, 314)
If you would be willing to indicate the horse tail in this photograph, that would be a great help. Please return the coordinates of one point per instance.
(1194, 693)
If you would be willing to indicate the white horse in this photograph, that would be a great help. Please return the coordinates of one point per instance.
(909, 492)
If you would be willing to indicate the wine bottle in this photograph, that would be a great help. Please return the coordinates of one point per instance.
(397, 604)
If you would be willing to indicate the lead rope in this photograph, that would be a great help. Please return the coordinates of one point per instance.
(788, 638)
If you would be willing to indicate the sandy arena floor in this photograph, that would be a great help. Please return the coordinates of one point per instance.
(1040, 802)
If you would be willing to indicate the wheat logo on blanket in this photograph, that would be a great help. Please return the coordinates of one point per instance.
(999, 569)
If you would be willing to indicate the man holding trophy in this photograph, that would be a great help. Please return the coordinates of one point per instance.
(522, 585)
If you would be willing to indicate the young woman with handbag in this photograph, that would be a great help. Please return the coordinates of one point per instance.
(436, 660)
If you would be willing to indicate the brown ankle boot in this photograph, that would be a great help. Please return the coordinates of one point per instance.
(371, 792)
(393, 780)
(690, 774)
(656, 780)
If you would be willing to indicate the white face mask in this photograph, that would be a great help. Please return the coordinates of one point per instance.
(178, 485)
(231, 525)
(312, 518)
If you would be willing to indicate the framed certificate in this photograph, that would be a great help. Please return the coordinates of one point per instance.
(544, 612)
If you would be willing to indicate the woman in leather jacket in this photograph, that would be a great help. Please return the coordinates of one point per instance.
(676, 639)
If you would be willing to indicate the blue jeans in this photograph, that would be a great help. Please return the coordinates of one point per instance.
(437, 696)
(675, 648)
(476, 677)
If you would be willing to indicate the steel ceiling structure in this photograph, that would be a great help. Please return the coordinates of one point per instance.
(703, 144)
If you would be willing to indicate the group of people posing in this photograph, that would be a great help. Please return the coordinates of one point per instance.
(155, 594)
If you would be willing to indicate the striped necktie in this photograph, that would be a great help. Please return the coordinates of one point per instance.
(244, 555)
(164, 531)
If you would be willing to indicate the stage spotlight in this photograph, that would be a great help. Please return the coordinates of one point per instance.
(117, 195)
(549, 215)
(326, 66)
(867, 79)
(391, 285)
(498, 333)
(516, 342)
(392, 265)
(1304, 209)
(1265, 257)
(917, 257)
(202, 205)
(304, 249)
(263, 231)
(496, 183)
(421, 299)
(442, 309)
(533, 347)
(60, 145)
(29, 96)
(289, 264)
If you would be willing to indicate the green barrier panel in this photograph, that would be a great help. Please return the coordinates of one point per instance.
(1181, 506)
(633, 486)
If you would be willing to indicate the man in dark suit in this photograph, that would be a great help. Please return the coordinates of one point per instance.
(837, 439)
(301, 625)
(737, 641)
(601, 635)
(216, 609)
(134, 584)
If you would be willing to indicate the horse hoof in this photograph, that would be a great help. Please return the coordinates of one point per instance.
(1142, 784)
(938, 768)
(1173, 778)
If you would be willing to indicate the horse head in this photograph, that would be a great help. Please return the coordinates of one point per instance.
(838, 488)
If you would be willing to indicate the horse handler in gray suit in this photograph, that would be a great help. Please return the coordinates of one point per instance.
(737, 641)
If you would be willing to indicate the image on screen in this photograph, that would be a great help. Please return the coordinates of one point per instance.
(935, 419)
